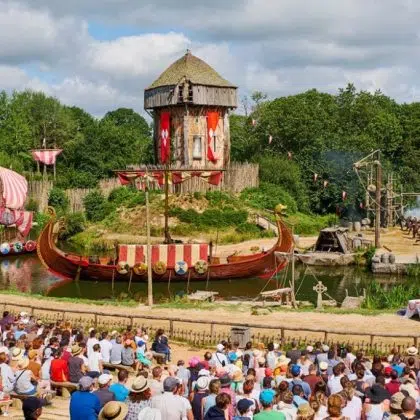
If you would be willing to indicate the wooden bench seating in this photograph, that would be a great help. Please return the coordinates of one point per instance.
(66, 388)
(18, 398)
(111, 366)
(160, 357)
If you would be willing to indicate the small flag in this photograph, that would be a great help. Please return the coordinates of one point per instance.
(315, 177)
(289, 155)
(325, 184)
(270, 139)
(254, 122)
(344, 195)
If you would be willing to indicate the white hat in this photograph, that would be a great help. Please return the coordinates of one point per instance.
(276, 346)
(325, 348)
(261, 360)
(323, 366)
(203, 382)
(283, 360)
(90, 329)
(23, 313)
(114, 332)
(104, 379)
(4, 349)
(220, 347)
(25, 321)
(412, 351)
(309, 349)
(204, 372)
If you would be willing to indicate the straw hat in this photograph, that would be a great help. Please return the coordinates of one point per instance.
(237, 376)
(140, 384)
(113, 410)
(305, 410)
(203, 382)
(283, 360)
(23, 363)
(412, 351)
(32, 354)
(17, 354)
(75, 350)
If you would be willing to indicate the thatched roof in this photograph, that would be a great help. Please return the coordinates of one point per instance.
(192, 68)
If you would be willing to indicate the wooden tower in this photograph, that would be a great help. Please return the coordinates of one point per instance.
(193, 101)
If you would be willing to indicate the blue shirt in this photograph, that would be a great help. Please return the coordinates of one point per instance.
(84, 406)
(305, 386)
(121, 392)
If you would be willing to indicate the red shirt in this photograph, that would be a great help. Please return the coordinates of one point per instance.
(59, 370)
(393, 387)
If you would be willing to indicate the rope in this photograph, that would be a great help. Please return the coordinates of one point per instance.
(169, 283)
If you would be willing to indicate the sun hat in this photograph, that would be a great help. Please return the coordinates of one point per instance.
(244, 404)
(203, 383)
(23, 363)
(267, 396)
(203, 372)
(276, 346)
(325, 348)
(113, 410)
(5, 350)
(295, 370)
(412, 351)
(309, 349)
(237, 376)
(85, 382)
(90, 329)
(23, 313)
(377, 394)
(115, 332)
(75, 350)
(32, 354)
(396, 400)
(17, 353)
(140, 384)
(305, 410)
(194, 361)
(323, 366)
(283, 360)
(104, 379)
(408, 387)
(220, 347)
(39, 322)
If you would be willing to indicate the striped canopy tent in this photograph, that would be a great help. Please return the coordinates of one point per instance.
(46, 156)
(14, 190)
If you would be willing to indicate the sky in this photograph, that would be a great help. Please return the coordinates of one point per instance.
(101, 54)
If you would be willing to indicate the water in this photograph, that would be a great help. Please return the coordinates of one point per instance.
(26, 274)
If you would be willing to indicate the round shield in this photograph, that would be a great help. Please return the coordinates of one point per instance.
(140, 269)
(5, 248)
(201, 266)
(18, 247)
(181, 268)
(159, 267)
(30, 246)
(122, 267)
(7, 218)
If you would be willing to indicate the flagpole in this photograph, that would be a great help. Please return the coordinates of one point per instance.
(149, 248)
(168, 238)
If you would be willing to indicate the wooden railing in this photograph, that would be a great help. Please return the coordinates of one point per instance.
(205, 337)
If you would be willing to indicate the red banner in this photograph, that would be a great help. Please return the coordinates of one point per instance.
(212, 123)
(165, 139)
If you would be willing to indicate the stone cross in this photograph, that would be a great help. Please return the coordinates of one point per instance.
(320, 289)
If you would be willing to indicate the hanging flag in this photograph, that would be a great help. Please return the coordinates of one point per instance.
(165, 141)
(344, 195)
(254, 122)
(212, 123)
(270, 139)
(315, 177)
(46, 156)
(289, 155)
(325, 184)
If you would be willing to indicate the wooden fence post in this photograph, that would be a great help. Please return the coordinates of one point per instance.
(171, 328)
(212, 330)
(325, 336)
(95, 321)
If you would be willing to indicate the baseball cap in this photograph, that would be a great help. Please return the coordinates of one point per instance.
(104, 379)
(85, 382)
(295, 370)
(267, 396)
(243, 405)
(388, 370)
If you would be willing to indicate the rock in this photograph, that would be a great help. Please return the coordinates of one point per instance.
(328, 259)
(352, 302)
(329, 303)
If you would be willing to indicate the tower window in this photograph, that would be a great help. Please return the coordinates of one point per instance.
(197, 148)
(214, 141)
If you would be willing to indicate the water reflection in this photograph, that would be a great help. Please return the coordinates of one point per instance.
(26, 274)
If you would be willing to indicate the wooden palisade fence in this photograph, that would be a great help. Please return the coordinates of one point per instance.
(201, 336)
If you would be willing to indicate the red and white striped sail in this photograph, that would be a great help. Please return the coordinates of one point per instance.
(14, 189)
(46, 156)
(169, 254)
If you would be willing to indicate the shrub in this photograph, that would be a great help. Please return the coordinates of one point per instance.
(220, 199)
(58, 199)
(248, 228)
(76, 179)
(127, 197)
(74, 223)
(32, 205)
(307, 224)
(95, 206)
(267, 196)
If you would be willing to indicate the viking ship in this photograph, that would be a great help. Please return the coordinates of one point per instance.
(170, 262)
(16, 221)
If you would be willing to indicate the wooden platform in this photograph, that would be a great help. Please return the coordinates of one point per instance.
(203, 295)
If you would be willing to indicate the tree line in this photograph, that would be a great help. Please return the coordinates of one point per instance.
(292, 138)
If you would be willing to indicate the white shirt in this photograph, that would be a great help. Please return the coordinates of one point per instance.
(217, 360)
(106, 347)
(353, 409)
(171, 407)
(7, 377)
(93, 361)
(89, 345)
(334, 384)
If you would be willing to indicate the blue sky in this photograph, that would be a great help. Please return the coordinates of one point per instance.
(101, 54)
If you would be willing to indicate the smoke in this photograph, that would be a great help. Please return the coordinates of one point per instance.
(414, 211)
